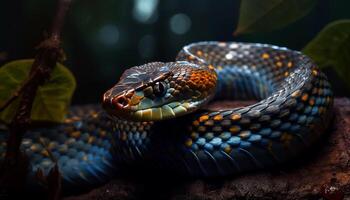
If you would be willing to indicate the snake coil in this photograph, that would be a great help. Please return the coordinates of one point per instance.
(155, 112)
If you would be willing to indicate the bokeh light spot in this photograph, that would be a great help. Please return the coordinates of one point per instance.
(180, 23)
(144, 11)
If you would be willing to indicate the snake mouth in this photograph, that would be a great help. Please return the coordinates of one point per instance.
(162, 112)
(130, 106)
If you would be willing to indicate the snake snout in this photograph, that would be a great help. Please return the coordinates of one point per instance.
(120, 102)
(118, 105)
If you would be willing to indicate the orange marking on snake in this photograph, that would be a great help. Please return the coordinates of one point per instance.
(279, 64)
(312, 102)
(228, 149)
(135, 100)
(305, 97)
(188, 142)
(218, 118)
(203, 118)
(235, 129)
(202, 80)
(236, 117)
(265, 56)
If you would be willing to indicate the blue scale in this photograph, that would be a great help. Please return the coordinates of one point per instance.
(234, 141)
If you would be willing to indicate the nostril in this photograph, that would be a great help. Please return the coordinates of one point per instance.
(120, 101)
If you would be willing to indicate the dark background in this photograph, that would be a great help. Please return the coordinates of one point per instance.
(103, 38)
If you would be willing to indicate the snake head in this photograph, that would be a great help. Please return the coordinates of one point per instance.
(157, 91)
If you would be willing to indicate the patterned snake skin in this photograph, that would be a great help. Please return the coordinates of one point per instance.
(155, 115)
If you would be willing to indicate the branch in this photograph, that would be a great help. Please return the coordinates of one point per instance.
(63, 6)
(48, 53)
(14, 96)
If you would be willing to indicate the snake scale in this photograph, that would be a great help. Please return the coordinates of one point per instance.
(155, 113)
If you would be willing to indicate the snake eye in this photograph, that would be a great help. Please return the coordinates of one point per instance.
(159, 89)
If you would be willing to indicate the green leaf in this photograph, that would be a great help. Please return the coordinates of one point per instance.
(52, 100)
(264, 16)
(331, 48)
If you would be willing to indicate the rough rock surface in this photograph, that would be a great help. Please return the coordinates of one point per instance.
(323, 172)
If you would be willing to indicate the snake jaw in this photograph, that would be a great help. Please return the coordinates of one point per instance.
(142, 108)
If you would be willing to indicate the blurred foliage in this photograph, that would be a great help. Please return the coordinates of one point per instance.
(331, 48)
(103, 38)
(264, 16)
(52, 99)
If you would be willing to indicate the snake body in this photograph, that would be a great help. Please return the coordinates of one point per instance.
(155, 114)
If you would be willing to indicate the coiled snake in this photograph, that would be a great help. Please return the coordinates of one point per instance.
(155, 113)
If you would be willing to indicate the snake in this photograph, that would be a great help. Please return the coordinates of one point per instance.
(157, 114)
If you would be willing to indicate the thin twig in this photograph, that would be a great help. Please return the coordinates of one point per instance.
(16, 94)
(59, 18)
